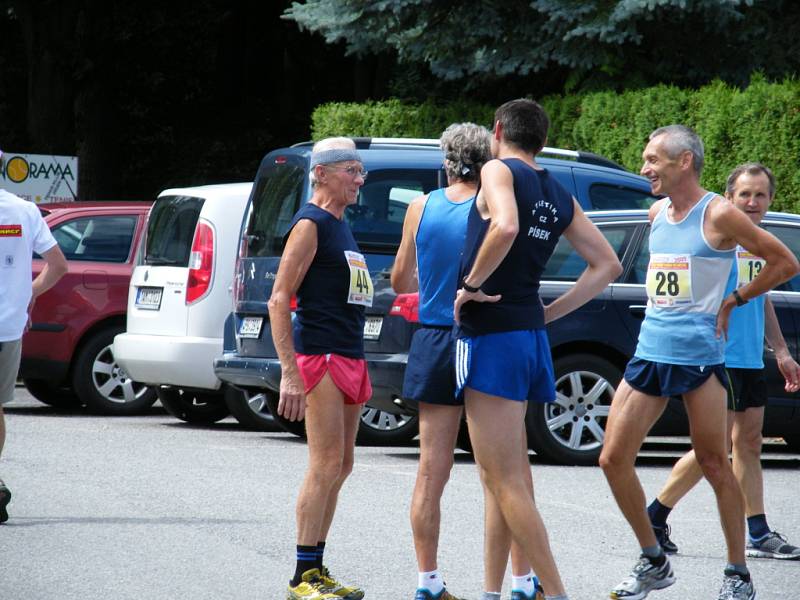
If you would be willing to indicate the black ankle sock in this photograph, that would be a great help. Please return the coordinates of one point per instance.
(658, 513)
(738, 570)
(657, 561)
(320, 552)
(757, 526)
(306, 559)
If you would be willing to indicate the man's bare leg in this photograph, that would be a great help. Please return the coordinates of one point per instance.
(438, 429)
(497, 445)
(706, 408)
(747, 441)
(631, 417)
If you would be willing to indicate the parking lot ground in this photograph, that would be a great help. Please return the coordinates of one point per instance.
(151, 508)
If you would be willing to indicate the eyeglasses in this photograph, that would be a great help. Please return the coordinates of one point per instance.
(351, 170)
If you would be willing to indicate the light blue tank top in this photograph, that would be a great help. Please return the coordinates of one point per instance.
(686, 280)
(745, 347)
(440, 239)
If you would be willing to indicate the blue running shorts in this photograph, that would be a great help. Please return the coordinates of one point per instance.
(664, 379)
(515, 365)
(747, 389)
(429, 373)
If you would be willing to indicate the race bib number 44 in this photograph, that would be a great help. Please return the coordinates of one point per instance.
(360, 282)
(669, 280)
(748, 265)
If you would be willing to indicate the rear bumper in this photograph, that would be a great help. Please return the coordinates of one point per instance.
(55, 371)
(385, 371)
(166, 360)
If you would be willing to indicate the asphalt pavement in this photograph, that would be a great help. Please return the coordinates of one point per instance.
(152, 508)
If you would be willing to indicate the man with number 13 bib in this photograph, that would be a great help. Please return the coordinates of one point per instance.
(693, 241)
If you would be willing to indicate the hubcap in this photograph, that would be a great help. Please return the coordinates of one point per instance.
(578, 417)
(383, 421)
(112, 382)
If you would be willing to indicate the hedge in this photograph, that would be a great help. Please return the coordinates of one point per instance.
(757, 123)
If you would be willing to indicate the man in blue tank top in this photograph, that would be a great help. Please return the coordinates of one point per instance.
(693, 241)
(502, 353)
(427, 261)
(751, 188)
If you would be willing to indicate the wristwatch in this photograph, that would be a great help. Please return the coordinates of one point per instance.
(469, 288)
(739, 300)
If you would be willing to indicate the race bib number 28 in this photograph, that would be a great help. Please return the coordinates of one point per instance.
(360, 282)
(669, 280)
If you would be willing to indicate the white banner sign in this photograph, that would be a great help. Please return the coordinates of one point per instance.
(40, 178)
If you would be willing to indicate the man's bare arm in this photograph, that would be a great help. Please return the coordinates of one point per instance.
(786, 364)
(404, 270)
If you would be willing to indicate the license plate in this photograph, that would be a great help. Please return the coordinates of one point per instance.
(372, 328)
(251, 327)
(148, 298)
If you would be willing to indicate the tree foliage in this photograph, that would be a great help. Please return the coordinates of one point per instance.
(626, 41)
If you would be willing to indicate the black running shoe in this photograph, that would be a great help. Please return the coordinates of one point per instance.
(5, 496)
(662, 535)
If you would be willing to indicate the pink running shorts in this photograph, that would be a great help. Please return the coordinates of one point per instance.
(348, 374)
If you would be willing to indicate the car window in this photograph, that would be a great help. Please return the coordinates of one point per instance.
(567, 265)
(101, 238)
(791, 237)
(638, 272)
(605, 196)
(170, 230)
(276, 198)
(377, 217)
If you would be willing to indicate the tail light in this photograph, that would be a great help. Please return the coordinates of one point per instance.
(406, 306)
(201, 262)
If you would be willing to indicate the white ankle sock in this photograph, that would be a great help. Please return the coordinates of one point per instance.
(524, 583)
(431, 581)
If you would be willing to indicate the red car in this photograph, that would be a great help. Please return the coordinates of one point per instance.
(66, 355)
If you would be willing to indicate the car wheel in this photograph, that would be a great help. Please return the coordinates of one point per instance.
(381, 428)
(571, 430)
(45, 391)
(200, 408)
(462, 440)
(297, 428)
(250, 408)
(793, 441)
(102, 385)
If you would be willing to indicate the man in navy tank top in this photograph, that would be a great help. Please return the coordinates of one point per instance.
(750, 188)
(693, 240)
(427, 261)
(502, 352)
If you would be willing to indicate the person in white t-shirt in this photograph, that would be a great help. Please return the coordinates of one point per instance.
(22, 232)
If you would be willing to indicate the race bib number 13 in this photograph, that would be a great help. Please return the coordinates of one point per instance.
(669, 280)
(360, 282)
(748, 265)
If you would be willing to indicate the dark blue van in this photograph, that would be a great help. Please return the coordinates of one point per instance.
(399, 170)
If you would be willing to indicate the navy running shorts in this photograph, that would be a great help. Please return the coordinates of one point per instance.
(515, 365)
(665, 379)
(747, 389)
(429, 373)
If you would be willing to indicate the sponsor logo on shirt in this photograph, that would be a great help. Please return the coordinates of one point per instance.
(10, 230)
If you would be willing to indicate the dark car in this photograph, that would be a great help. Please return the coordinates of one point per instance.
(399, 170)
(66, 355)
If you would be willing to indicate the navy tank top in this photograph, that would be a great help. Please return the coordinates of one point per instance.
(332, 296)
(545, 210)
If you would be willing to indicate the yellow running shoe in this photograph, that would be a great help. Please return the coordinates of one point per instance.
(310, 588)
(330, 585)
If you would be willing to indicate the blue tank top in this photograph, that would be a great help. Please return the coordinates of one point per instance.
(685, 283)
(545, 210)
(745, 346)
(440, 240)
(327, 321)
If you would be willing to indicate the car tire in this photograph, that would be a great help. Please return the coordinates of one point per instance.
(571, 430)
(462, 439)
(102, 385)
(381, 428)
(297, 428)
(198, 408)
(250, 408)
(45, 391)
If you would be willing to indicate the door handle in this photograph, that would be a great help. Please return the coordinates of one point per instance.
(637, 310)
